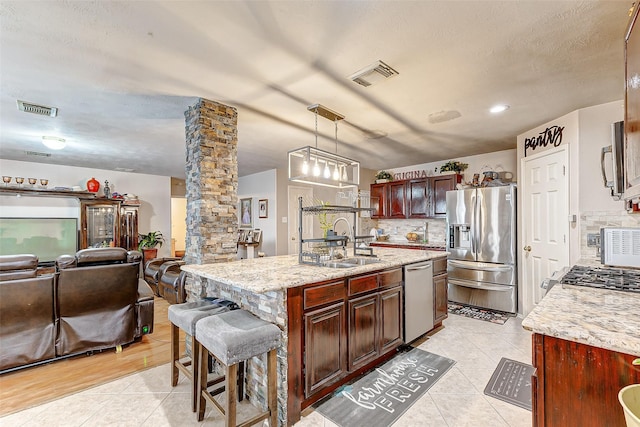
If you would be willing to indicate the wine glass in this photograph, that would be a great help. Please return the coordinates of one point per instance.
(19, 180)
(44, 182)
(32, 181)
(6, 180)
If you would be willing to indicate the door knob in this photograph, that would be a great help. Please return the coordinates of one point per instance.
(527, 248)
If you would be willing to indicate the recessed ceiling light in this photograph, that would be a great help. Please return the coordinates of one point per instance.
(499, 108)
(54, 143)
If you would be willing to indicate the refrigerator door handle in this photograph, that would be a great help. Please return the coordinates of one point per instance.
(483, 286)
(475, 266)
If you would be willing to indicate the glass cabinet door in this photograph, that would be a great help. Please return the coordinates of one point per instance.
(100, 225)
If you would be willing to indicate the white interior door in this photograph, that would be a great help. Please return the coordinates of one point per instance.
(545, 220)
(307, 220)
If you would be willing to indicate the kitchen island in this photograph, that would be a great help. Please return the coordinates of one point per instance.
(311, 305)
(584, 342)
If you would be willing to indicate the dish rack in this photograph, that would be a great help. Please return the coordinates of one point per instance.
(323, 247)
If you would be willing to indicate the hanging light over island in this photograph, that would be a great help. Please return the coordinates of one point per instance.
(312, 165)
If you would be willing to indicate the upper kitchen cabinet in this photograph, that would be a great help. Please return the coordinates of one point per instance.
(397, 205)
(438, 187)
(379, 200)
(416, 198)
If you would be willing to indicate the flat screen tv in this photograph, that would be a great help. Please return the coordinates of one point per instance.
(47, 238)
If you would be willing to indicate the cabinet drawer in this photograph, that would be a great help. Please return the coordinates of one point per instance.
(323, 294)
(363, 284)
(391, 278)
(439, 265)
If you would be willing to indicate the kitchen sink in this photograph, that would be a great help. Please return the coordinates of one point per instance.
(341, 264)
(350, 262)
(360, 261)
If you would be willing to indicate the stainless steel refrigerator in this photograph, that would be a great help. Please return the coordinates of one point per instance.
(481, 239)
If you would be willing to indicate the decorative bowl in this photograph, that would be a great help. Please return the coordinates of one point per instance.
(412, 237)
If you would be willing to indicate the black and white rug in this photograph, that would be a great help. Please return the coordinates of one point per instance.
(382, 395)
(486, 314)
(511, 382)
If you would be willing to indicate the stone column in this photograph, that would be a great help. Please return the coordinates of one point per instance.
(212, 182)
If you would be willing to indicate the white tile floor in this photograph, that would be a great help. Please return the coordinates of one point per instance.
(457, 399)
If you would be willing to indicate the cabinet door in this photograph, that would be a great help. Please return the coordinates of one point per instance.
(397, 203)
(439, 185)
(440, 296)
(325, 347)
(100, 224)
(129, 227)
(391, 327)
(363, 330)
(379, 200)
(418, 198)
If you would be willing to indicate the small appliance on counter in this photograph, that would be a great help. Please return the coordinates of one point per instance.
(620, 246)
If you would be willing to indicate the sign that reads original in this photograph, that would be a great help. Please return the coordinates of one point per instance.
(550, 136)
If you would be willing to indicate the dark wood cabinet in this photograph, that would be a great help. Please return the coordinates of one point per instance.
(440, 291)
(326, 348)
(578, 384)
(379, 200)
(363, 330)
(438, 186)
(99, 223)
(129, 227)
(391, 312)
(415, 198)
(418, 198)
(397, 205)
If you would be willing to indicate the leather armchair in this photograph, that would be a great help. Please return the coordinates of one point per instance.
(172, 282)
(27, 317)
(152, 272)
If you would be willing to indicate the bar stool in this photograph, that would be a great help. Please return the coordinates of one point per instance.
(184, 316)
(231, 338)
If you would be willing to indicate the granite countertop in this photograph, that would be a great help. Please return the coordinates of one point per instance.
(597, 317)
(260, 275)
(408, 244)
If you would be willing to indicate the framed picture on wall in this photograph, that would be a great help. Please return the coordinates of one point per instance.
(257, 235)
(263, 208)
(246, 218)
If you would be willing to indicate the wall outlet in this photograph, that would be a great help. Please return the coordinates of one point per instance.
(593, 240)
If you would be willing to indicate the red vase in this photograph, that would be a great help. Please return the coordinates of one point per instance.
(93, 185)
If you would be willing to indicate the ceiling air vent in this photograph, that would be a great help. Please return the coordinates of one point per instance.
(41, 110)
(374, 73)
(37, 153)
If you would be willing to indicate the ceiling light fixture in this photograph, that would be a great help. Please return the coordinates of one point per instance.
(54, 143)
(374, 73)
(346, 172)
(499, 108)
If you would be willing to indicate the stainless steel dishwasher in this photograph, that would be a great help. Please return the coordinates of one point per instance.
(418, 299)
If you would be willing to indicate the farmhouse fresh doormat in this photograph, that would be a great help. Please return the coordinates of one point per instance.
(382, 395)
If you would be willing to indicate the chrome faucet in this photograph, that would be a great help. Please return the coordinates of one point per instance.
(423, 229)
(350, 235)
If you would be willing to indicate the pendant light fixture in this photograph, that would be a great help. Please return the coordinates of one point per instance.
(346, 172)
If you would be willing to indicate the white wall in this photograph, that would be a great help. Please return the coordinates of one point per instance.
(261, 186)
(154, 192)
(179, 222)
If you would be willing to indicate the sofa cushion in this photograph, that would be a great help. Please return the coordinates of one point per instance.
(14, 267)
(97, 256)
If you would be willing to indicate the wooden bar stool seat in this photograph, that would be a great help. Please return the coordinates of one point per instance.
(231, 338)
(185, 316)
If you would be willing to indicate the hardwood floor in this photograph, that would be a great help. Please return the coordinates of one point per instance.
(33, 386)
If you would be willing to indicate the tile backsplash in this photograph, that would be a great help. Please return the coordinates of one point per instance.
(593, 221)
(398, 228)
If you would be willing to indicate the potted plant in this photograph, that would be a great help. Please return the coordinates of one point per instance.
(383, 176)
(148, 243)
(453, 166)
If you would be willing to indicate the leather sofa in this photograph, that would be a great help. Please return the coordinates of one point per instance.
(95, 300)
(171, 286)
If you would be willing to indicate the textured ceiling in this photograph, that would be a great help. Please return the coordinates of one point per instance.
(123, 73)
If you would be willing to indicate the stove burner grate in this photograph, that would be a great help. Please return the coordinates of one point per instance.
(605, 278)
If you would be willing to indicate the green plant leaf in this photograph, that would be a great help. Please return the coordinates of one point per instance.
(636, 362)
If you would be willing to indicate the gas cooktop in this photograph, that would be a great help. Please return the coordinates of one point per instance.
(619, 279)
